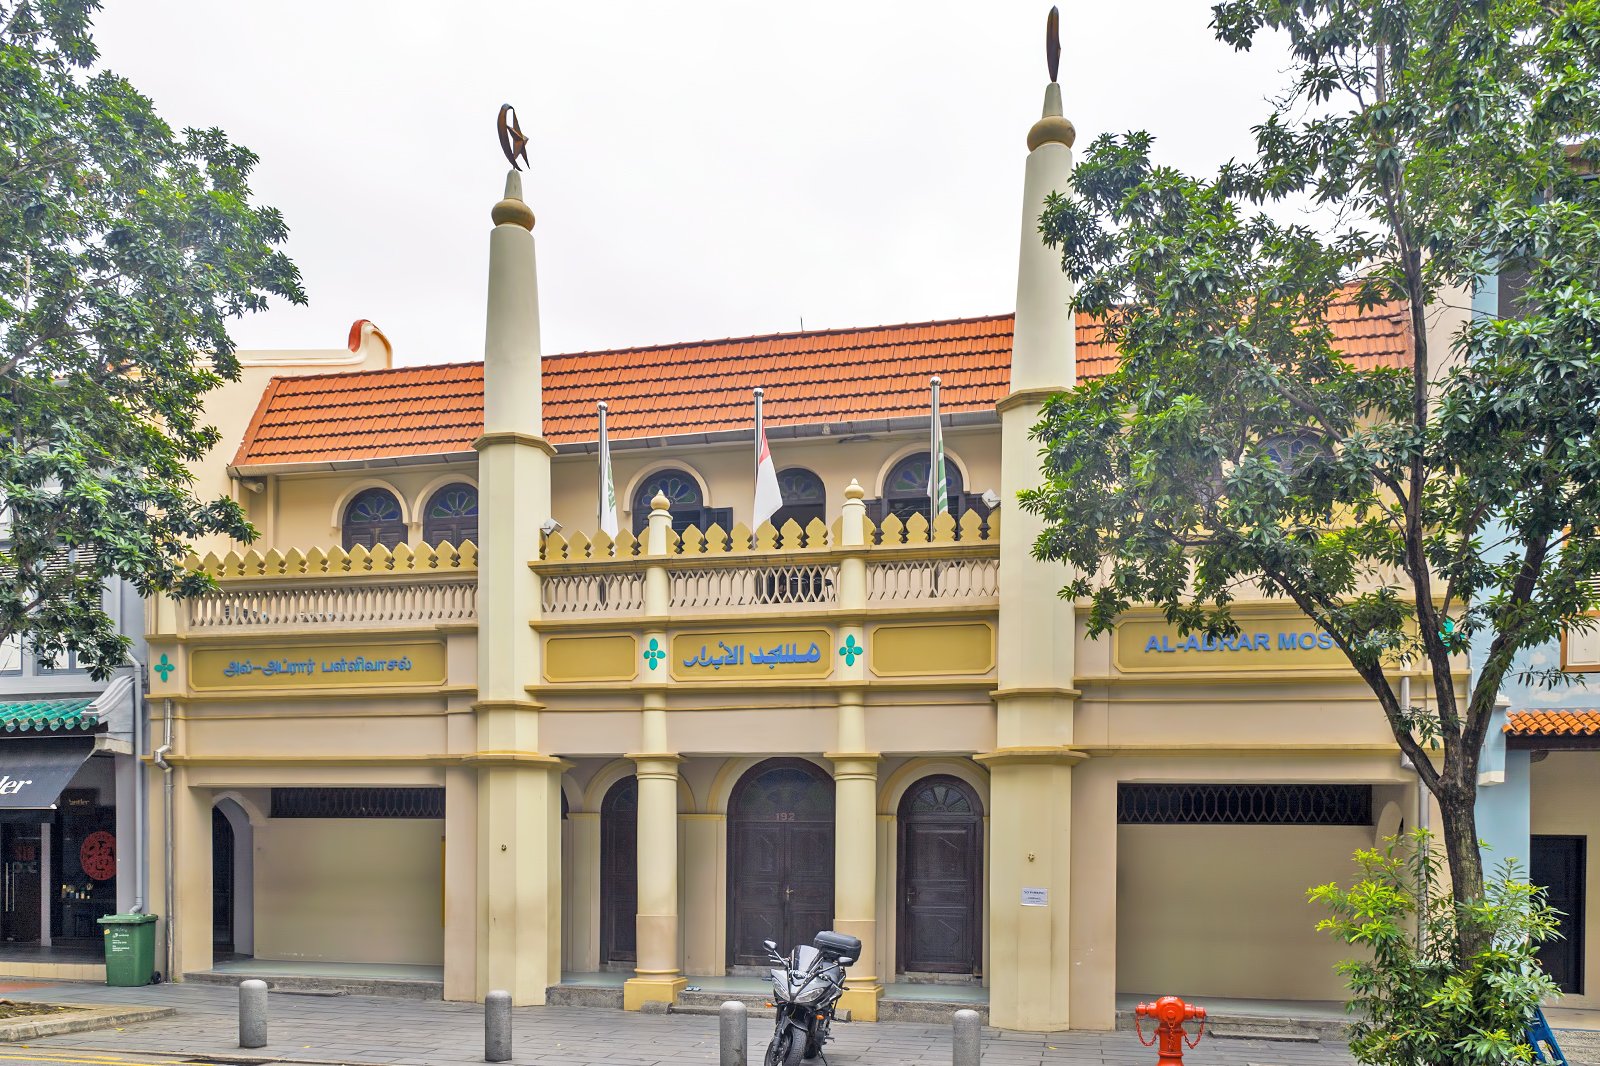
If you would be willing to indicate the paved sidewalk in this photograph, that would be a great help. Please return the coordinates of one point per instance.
(370, 1030)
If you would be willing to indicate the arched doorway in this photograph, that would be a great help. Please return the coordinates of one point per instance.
(941, 878)
(780, 858)
(619, 871)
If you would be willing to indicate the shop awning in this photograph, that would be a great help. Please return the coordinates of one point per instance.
(34, 770)
(49, 716)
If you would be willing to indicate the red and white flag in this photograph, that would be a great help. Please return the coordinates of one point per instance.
(768, 496)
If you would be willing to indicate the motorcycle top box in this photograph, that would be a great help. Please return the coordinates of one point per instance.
(837, 944)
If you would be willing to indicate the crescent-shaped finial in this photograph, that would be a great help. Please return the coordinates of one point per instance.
(1052, 42)
(512, 141)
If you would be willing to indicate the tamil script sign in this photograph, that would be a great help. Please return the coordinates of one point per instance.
(357, 664)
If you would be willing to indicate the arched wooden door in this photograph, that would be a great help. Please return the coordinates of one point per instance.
(941, 878)
(780, 858)
(619, 871)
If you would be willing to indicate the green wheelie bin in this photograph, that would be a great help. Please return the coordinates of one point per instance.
(130, 948)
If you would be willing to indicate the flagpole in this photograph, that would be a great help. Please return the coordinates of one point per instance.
(935, 446)
(605, 457)
(756, 445)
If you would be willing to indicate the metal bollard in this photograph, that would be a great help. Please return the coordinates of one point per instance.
(497, 1027)
(253, 1014)
(735, 1033)
(964, 1042)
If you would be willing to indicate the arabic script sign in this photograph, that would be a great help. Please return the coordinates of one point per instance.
(357, 664)
(787, 653)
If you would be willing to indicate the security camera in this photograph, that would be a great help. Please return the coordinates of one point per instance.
(549, 526)
(990, 498)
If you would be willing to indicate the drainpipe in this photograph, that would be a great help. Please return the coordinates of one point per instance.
(160, 757)
(141, 869)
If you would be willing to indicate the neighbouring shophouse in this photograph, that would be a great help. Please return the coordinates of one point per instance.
(68, 771)
(1540, 768)
(74, 751)
(459, 735)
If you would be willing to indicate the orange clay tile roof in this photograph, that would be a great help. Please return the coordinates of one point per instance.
(1556, 722)
(824, 376)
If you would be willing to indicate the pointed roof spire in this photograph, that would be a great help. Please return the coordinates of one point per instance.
(1052, 128)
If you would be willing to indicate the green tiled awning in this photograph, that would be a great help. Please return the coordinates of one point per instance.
(48, 716)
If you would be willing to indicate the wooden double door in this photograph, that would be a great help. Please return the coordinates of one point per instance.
(780, 858)
(940, 906)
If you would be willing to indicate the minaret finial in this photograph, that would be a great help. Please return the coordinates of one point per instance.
(1052, 42)
(1052, 127)
(515, 144)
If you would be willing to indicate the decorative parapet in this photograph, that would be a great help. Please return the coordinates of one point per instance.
(396, 587)
(971, 529)
(446, 559)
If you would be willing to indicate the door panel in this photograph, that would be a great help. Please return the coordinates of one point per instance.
(941, 872)
(20, 851)
(1557, 864)
(780, 863)
(221, 882)
(619, 872)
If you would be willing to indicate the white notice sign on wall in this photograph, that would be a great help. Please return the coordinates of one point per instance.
(1036, 897)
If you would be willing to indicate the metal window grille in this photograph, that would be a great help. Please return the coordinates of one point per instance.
(358, 803)
(1244, 804)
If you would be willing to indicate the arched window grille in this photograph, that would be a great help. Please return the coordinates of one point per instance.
(905, 490)
(373, 518)
(686, 502)
(451, 514)
(804, 497)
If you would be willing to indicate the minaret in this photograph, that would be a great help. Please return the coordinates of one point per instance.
(1031, 766)
(518, 808)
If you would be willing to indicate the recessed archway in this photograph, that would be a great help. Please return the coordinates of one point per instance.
(780, 858)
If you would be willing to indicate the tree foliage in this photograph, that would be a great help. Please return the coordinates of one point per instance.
(1413, 1003)
(125, 248)
(1408, 510)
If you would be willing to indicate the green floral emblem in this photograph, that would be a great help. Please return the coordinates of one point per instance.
(164, 667)
(851, 649)
(654, 654)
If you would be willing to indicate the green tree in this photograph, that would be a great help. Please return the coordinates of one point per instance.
(1408, 511)
(125, 248)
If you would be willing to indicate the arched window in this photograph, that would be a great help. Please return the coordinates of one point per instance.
(687, 502)
(1291, 450)
(905, 490)
(373, 518)
(803, 497)
(451, 514)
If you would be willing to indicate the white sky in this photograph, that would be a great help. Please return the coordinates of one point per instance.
(701, 168)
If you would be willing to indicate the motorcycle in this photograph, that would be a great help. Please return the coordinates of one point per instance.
(805, 991)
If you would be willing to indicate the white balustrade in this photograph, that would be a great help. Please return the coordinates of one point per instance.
(322, 603)
(612, 592)
(730, 587)
(957, 580)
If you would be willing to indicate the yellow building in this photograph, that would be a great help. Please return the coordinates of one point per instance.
(435, 725)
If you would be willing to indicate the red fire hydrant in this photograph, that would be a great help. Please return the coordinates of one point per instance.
(1171, 1012)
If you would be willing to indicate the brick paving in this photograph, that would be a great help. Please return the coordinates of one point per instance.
(373, 1030)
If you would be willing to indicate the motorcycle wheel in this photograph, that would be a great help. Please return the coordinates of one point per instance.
(785, 1050)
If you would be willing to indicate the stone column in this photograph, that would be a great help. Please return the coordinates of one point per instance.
(855, 775)
(519, 797)
(1030, 829)
(658, 971)
(460, 883)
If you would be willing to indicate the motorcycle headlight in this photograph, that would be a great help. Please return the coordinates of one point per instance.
(810, 993)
